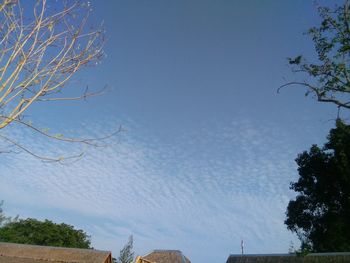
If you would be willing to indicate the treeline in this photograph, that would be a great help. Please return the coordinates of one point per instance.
(47, 233)
(44, 233)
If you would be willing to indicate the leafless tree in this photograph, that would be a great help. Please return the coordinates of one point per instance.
(41, 48)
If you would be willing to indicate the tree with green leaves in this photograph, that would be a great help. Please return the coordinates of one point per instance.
(46, 233)
(327, 77)
(320, 213)
(126, 254)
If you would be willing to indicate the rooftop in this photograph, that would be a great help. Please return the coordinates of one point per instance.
(340, 257)
(167, 256)
(19, 253)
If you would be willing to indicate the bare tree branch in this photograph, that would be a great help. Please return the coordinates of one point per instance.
(40, 51)
(41, 157)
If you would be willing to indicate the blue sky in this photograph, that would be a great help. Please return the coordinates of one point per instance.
(209, 146)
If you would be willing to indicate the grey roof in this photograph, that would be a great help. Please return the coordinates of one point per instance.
(167, 256)
(341, 257)
(19, 253)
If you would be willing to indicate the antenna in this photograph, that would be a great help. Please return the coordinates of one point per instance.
(242, 247)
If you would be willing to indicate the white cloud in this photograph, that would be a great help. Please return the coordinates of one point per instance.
(209, 188)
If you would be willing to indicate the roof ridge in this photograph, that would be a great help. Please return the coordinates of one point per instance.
(167, 250)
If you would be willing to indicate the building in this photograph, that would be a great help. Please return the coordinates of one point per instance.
(167, 256)
(342, 257)
(18, 253)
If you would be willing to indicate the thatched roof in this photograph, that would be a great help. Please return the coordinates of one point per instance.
(167, 256)
(18, 253)
(291, 258)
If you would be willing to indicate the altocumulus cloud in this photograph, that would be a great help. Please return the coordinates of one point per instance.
(206, 191)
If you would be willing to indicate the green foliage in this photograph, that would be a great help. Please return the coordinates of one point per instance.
(320, 214)
(46, 233)
(126, 254)
(329, 75)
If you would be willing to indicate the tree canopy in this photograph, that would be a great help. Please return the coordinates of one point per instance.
(320, 214)
(46, 233)
(328, 76)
